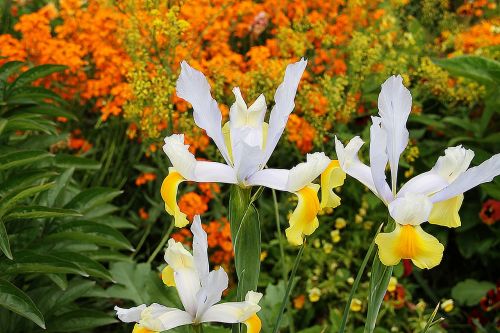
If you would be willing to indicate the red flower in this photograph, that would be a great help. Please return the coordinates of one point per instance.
(490, 213)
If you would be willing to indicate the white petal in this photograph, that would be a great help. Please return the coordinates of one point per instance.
(200, 247)
(378, 159)
(211, 292)
(483, 173)
(233, 312)
(304, 173)
(132, 315)
(411, 209)
(241, 116)
(284, 104)
(247, 160)
(394, 104)
(193, 87)
(350, 163)
(426, 183)
(272, 178)
(186, 164)
(454, 162)
(159, 318)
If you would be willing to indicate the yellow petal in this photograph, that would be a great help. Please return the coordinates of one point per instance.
(304, 218)
(140, 329)
(253, 324)
(167, 276)
(169, 195)
(332, 177)
(445, 213)
(409, 242)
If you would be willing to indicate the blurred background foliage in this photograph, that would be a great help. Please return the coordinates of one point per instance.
(87, 93)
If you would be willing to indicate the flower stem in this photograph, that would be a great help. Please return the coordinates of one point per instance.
(356, 283)
(162, 243)
(289, 287)
(284, 268)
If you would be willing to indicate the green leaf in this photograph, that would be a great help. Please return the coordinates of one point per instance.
(19, 158)
(13, 197)
(39, 124)
(35, 262)
(88, 199)
(39, 94)
(61, 183)
(60, 280)
(36, 212)
(25, 178)
(17, 301)
(470, 292)
(80, 320)
(90, 232)
(71, 161)
(3, 124)
(4, 241)
(34, 74)
(10, 68)
(46, 110)
(483, 70)
(270, 304)
(89, 266)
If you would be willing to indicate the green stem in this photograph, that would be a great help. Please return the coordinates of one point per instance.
(143, 239)
(289, 287)
(284, 268)
(162, 243)
(356, 282)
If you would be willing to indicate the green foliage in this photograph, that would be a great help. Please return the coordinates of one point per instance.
(469, 292)
(51, 228)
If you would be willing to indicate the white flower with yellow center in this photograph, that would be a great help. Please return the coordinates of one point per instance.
(434, 196)
(199, 291)
(246, 143)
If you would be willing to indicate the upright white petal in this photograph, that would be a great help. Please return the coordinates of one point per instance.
(233, 312)
(211, 292)
(193, 87)
(186, 164)
(132, 315)
(394, 104)
(200, 247)
(378, 159)
(483, 173)
(284, 104)
(454, 162)
(242, 116)
(411, 209)
(157, 317)
(350, 163)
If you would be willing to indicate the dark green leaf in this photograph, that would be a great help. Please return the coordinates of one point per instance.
(17, 301)
(71, 161)
(10, 68)
(35, 212)
(483, 70)
(33, 262)
(470, 292)
(92, 197)
(20, 158)
(80, 320)
(34, 74)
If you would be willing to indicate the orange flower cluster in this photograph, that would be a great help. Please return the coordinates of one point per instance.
(193, 203)
(145, 178)
(78, 143)
(476, 7)
(483, 34)
(396, 297)
(301, 133)
(86, 39)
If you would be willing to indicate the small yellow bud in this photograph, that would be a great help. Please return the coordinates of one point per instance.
(368, 225)
(263, 255)
(328, 248)
(358, 219)
(393, 282)
(317, 243)
(362, 212)
(335, 234)
(350, 280)
(447, 305)
(356, 305)
(421, 305)
(340, 223)
(314, 294)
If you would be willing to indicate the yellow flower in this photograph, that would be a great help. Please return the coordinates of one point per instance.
(447, 305)
(335, 234)
(328, 248)
(263, 255)
(356, 305)
(340, 223)
(350, 280)
(358, 219)
(314, 294)
(393, 282)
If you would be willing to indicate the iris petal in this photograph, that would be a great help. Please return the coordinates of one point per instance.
(304, 218)
(332, 177)
(445, 213)
(169, 195)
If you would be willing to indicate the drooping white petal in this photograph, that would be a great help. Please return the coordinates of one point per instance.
(200, 247)
(411, 209)
(304, 173)
(157, 317)
(350, 163)
(273, 178)
(378, 159)
(186, 276)
(191, 169)
(426, 183)
(211, 292)
(193, 87)
(483, 173)
(454, 162)
(233, 312)
(394, 104)
(284, 104)
(132, 315)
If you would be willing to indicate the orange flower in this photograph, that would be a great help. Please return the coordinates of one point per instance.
(490, 213)
(301, 133)
(192, 204)
(397, 297)
(298, 302)
(77, 142)
(143, 214)
(145, 178)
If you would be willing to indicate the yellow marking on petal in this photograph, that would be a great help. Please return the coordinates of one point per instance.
(167, 276)
(140, 329)
(226, 132)
(304, 218)
(445, 213)
(409, 242)
(169, 195)
(332, 177)
(253, 324)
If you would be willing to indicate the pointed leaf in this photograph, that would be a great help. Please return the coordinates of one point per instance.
(17, 301)
(20, 158)
(34, 74)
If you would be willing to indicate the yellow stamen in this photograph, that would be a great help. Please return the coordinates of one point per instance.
(140, 329)
(332, 177)
(253, 324)
(169, 195)
(167, 276)
(304, 218)
(445, 213)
